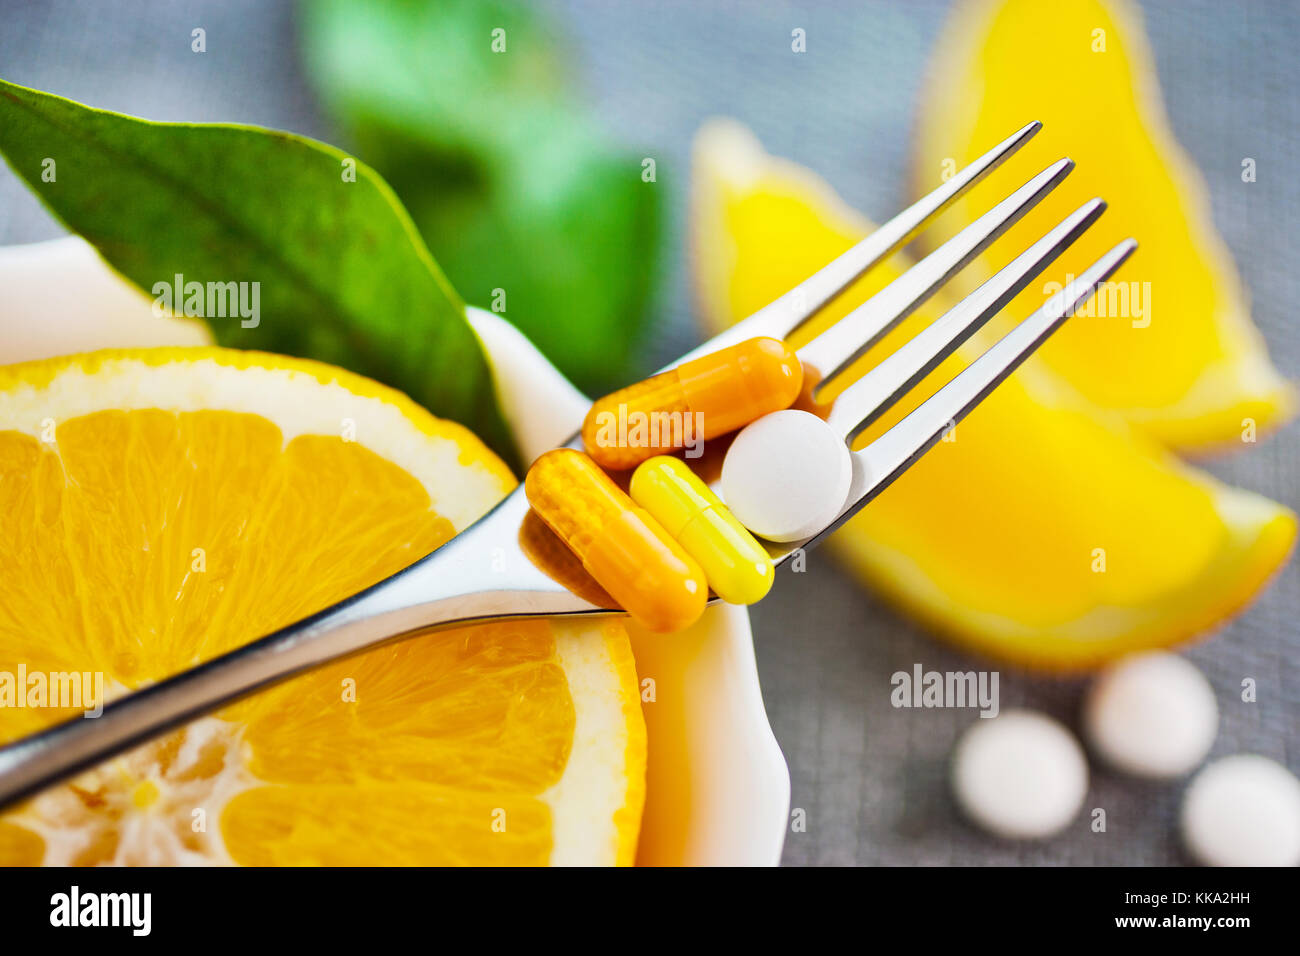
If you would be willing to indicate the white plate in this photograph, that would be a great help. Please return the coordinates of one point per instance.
(718, 792)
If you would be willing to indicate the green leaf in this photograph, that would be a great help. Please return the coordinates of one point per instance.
(513, 187)
(343, 275)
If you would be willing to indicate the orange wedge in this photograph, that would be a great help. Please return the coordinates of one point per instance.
(1170, 345)
(1045, 532)
(164, 506)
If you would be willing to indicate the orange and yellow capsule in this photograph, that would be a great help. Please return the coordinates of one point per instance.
(738, 568)
(698, 400)
(619, 544)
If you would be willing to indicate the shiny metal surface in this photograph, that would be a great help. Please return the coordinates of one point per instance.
(459, 583)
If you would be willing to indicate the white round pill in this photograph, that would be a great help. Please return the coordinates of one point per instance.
(1151, 715)
(786, 475)
(1243, 811)
(1020, 775)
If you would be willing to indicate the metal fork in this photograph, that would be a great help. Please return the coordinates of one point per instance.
(465, 581)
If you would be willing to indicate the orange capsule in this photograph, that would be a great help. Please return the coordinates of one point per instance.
(698, 400)
(621, 546)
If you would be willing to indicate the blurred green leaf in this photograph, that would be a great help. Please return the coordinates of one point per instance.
(343, 275)
(512, 186)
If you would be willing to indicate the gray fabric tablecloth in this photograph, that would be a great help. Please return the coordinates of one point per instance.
(870, 778)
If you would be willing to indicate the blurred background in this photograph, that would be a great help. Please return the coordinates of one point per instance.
(637, 80)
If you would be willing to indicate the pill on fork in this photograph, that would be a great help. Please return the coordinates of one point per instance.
(621, 546)
(738, 568)
(787, 475)
(698, 400)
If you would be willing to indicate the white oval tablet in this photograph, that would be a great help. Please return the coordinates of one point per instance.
(1243, 811)
(1020, 775)
(787, 475)
(1152, 715)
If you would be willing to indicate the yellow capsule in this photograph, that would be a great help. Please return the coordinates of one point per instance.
(620, 545)
(701, 399)
(738, 568)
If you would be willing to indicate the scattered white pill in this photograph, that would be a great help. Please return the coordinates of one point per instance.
(787, 475)
(1243, 811)
(1151, 715)
(1020, 775)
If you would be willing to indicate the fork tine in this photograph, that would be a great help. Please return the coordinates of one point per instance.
(874, 393)
(831, 352)
(785, 314)
(876, 466)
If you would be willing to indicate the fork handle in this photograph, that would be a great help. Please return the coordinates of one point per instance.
(46, 758)
(454, 585)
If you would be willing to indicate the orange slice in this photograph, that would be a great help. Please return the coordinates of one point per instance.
(1045, 533)
(1170, 345)
(164, 506)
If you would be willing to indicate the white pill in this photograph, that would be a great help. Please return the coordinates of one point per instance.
(1151, 715)
(1020, 775)
(787, 475)
(1243, 811)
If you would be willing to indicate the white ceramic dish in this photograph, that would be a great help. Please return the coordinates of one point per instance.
(718, 791)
